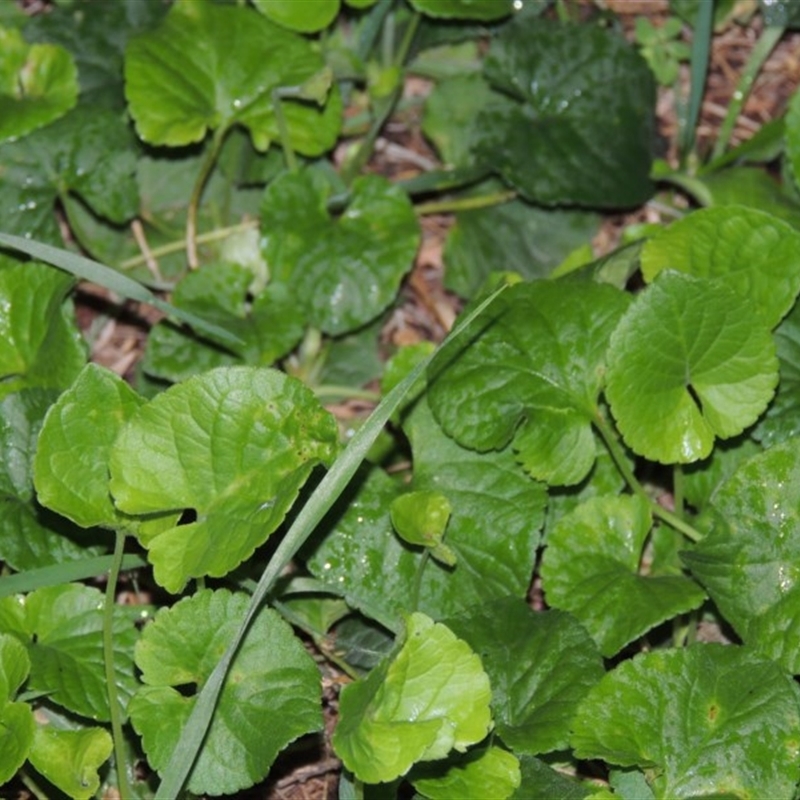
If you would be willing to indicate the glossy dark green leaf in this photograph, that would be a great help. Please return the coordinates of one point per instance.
(234, 446)
(484, 10)
(86, 153)
(750, 251)
(16, 718)
(342, 270)
(541, 665)
(269, 325)
(541, 780)
(563, 135)
(271, 696)
(591, 569)
(303, 17)
(516, 237)
(690, 361)
(429, 697)
(710, 720)
(749, 560)
(215, 91)
(38, 84)
(40, 345)
(533, 377)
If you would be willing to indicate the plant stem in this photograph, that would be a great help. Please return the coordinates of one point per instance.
(111, 678)
(677, 489)
(283, 130)
(465, 203)
(674, 521)
(31, 785)
(758, 55)
(331, 390)
(418, 579)
(197, 193)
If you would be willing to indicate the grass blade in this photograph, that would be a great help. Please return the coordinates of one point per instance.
(701, 48)
(89, 270)
(320, 502)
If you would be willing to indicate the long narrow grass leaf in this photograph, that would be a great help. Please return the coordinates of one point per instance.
(89, 270)
(320, 502)
(701, 48)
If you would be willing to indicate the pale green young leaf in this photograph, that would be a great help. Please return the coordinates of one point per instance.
(216, 91)
(532, 377)
(751, 252)
(69, 759)
(421, 517)
(38, 83)
(489, 773)
(16, 719)
(343, 270)
(234, 446)
(689, 362)
(591, 569)
(708, 720)
(303, 17)
(430, 697)
(271, 696)
(541, 665)
(749, 560)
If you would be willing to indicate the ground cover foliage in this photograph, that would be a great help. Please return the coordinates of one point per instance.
(500, 583)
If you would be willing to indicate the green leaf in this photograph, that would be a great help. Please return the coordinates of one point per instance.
(591, 569)
(541, 780)
(420, 518)
(751, 252)
(430, 697)
(533, 377)
(486, 774)
(71, 464)
(563, 135)
(234, 446)
(303, 17)
(66, 624)
(16, 719)
(271, 696)
(540, 665)
(484, 10)
(216, 91)
(70, 759)
(689, 362)
(709, 720)
(344, 270)
(38, 83)
(519, 237)
(792, 136)
(268, 326)
(40, 345)
(749, 560)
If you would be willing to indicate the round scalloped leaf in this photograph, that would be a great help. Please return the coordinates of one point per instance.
(67, 663)
(303, 17)
(750, 561)
(70, 759)
(215, 91)
(563, 135)
(71, 463)
(38, 83)
(532, 376)
(755, 254)
(591, 569)
(233, 446)
(16, 719)
(541, 665)
(40, 345)
(345, 269)
(690, 361)
(272, 693)
(483, 10)
(709, 720)
(428, 698)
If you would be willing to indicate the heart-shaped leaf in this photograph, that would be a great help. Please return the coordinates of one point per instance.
(271, 696)
(709, 720)
(591, 569)
(690, 361)
(38, 83)
(430, 697)
(532, 376)
(233, 447)
(342, 270)
(755, 254)
(216, 91)
(563, 135)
